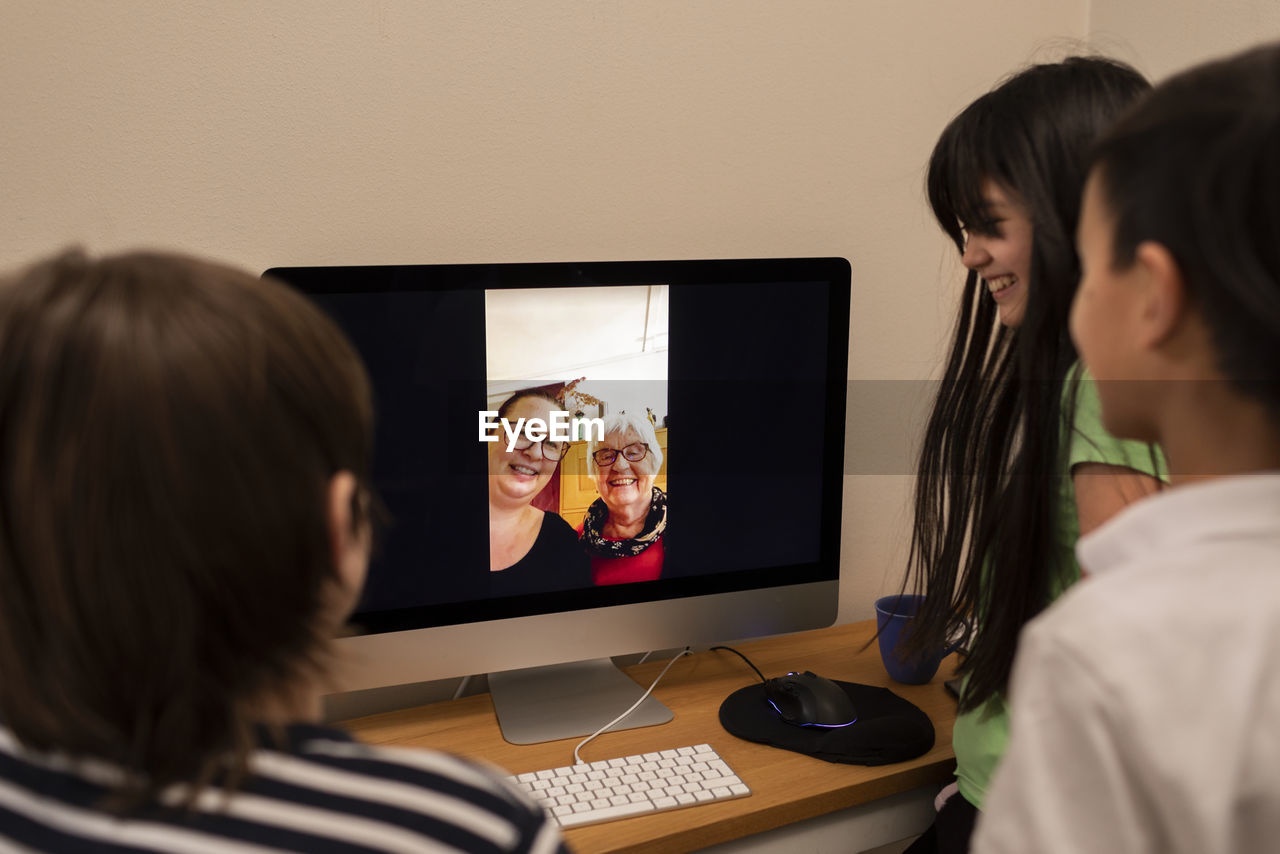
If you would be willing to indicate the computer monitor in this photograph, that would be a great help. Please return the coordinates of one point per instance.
(739, 369)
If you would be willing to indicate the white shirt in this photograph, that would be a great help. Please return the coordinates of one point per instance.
(1146, 702)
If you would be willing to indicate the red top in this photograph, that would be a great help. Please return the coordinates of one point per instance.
(646, 566)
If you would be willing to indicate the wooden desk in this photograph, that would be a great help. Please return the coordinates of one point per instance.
(786, 787)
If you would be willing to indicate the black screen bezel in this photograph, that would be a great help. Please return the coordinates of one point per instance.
(835, 272)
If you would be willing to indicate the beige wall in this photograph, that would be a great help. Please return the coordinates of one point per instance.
(1163, 36)
(401, 131)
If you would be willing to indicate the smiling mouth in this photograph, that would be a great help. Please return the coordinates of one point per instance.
(623, 481)
(524, 470)
(1001, 283)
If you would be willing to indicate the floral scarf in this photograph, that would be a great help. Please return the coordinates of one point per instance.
(597, 514)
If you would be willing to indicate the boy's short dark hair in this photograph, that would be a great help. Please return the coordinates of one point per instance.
(168, 431)
(1196, 167)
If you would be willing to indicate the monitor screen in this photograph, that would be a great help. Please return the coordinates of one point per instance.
(564, 440)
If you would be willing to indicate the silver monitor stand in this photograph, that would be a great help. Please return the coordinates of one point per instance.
(567, 700)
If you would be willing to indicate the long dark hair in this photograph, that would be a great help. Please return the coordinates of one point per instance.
(1197, 169)
(983, 544)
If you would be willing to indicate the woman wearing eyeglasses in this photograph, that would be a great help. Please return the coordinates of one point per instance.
(530, 550)
(623, 528)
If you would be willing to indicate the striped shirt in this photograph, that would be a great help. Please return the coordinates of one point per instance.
(320, 792)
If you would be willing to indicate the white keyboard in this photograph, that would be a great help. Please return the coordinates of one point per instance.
(633, 785)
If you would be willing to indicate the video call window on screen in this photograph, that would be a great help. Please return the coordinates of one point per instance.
(578, 438)
(747, 358)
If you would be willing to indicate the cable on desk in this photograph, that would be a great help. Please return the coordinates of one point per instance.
(577, 760)
(744, 658)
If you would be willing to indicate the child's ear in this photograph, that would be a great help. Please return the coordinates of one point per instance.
(1164, 294)
(348, 537)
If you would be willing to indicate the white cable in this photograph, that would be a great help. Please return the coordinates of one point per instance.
(577, 760)
(462, 686)
(645, 657)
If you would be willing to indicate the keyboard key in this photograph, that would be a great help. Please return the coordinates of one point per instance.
(604, 814)
(714, 782)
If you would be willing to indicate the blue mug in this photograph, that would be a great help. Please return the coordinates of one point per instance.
(894, 615)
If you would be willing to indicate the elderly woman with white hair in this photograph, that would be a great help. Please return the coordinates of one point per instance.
(623, 528)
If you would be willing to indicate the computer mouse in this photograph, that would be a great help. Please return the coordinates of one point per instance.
(806, 699)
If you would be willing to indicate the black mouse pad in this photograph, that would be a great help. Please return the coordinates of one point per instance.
(888, 728)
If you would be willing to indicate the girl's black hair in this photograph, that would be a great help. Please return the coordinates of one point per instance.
(983, 540)
(1197, 169)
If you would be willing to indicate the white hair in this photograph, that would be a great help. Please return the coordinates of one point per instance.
(624, 422)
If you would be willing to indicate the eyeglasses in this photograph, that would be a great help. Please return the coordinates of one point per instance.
(633, 453)
(550, 450)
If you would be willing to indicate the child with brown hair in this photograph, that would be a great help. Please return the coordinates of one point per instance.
(184, 524)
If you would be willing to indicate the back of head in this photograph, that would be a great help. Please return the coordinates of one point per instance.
(168, 429)
(1196, 168)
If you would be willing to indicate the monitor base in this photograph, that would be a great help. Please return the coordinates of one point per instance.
(566, 700)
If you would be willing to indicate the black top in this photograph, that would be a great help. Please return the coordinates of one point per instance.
(556, 562)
